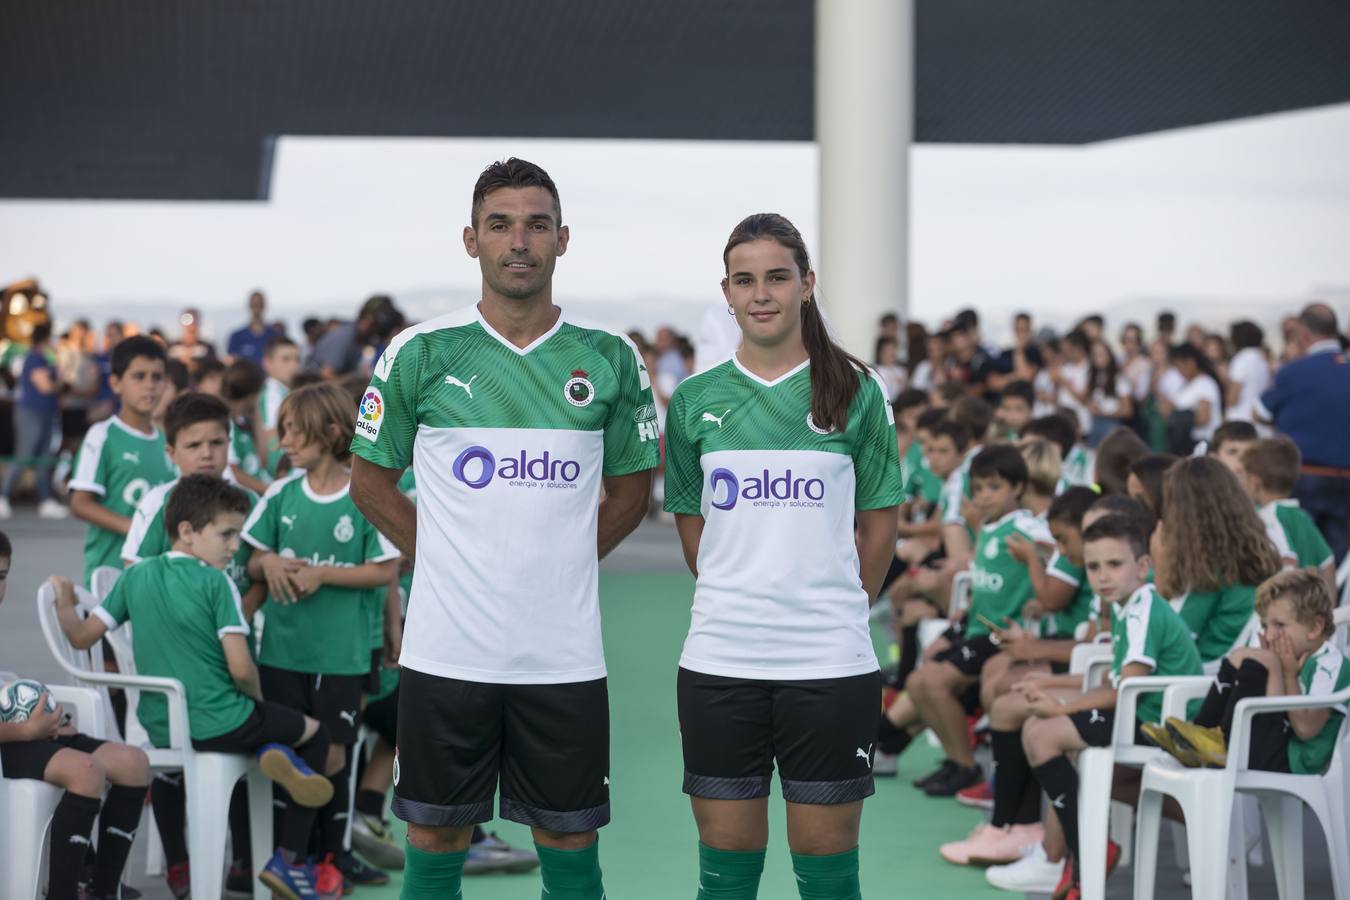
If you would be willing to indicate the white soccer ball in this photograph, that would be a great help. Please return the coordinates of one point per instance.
(19, 698)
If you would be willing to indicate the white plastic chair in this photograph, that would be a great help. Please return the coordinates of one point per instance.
(1208, 795)
(101, 581)
(27, 805)
(209, 777)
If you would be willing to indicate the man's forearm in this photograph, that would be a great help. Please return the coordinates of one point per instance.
(621, 511)
(375, 492)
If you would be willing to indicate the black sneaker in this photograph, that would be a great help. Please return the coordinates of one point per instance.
(934, 775)
(957, 778)
(239, 882)
(355, 870)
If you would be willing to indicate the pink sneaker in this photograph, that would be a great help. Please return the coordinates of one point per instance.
(1014, 842)
(984, 836)
(979, 795)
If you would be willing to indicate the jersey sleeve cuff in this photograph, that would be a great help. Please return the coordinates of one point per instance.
(1139, 658)
(106, 618)
(257, 544)
(231, 629)
(1062, 576)
(91, 487)
(371, 454)
(683, 509)
(616, 471)
(880, 501)
(385, 557)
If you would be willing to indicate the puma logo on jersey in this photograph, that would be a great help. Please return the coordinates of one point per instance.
(709, 417)
(1222, 685)
(1094, 717)
(349, 716)
(468, 387)
(288, 521)
(129, 835)
(1058, 802)
(865, 755)
(131, 456)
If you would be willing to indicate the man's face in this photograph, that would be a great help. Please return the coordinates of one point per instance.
(202, 448)
(256, 305)
(1022, 330)
(141, 386)
(517, 241)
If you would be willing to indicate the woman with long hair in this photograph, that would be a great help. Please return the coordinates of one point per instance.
(1109, 397)
(1211, 552)
(1199, 398)
(771, 458)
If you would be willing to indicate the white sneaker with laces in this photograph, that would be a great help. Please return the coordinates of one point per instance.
(1032, 874)
(52, 509)
(5, 511)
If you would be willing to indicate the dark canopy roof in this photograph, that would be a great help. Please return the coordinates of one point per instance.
(181, 99)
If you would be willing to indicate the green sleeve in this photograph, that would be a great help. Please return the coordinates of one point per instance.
(632, 436)
(90, 472)
(876, 455)
(386, 417)
(1065, 571)
(684, 472)
(262, 528)
(156, 540)
(113, 609)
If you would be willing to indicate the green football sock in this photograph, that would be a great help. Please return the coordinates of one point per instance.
(828, 877)
(571, 874)
(432, 876)
(728, 874)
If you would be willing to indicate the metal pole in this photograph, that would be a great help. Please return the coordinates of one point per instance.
(864, 126)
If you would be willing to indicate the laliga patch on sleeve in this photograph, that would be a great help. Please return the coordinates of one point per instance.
(370, 414)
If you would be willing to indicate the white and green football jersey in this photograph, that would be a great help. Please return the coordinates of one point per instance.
(243, 453)
(1295, 535)
(269, 402)
(778, 593)
(148, 536)
(1000, 585)
(121, 465)
(510, 446)
(1325, 672)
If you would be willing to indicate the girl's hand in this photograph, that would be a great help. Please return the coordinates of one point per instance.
(1019, 548)
(278, 570)
(307, 580)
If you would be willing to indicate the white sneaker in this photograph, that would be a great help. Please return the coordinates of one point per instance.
(5, 511)
(52, 509)
(1032, 874)
(885, 765)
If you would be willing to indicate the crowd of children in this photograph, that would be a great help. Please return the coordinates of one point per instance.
(252, 578)
(1189, 566)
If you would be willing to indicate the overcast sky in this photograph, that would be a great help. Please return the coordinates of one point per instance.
(1250, 217)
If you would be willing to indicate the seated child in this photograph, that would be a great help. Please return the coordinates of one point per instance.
(1270, 471)
(1296, 657)
(45, 748)
(189, 625)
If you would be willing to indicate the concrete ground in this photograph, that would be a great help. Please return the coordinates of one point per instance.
(893, 838)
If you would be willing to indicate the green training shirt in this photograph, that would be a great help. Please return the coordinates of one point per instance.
(1000, 585)
(1145, 629)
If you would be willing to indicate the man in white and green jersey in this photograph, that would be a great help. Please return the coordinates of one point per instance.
(515, 417)
(121, 458)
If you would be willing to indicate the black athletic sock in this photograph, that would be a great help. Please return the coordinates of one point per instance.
(370, 803)
(1059, 779)
(479, 835)
(333, 815)
(1251, 681)
(890, 738)
(241, 842)
(1012, 775)
(297, 826)
(169, 803)
(909, 654)
(116, 832)
(1216, 701)
(72, 824)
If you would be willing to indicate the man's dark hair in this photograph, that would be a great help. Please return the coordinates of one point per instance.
(973, 413)
(198, 499)
(1022, 317)
(908, 399)
(959, 434)
(1244, 334)
(1001, 460)
(1118, 528)
(242, 378)
(1130, 508)
(1071, 505)
(1167, 321)
(6, 548)
(929, 419)
(135, 347)
(1319, 319)
(191, 408)
(513, 173)
(966, 320)
(1057, 428)
(1230, 432)
(1022, 389)
(888, 318)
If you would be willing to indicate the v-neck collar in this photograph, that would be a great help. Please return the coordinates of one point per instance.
(519, 351)
(764, 381)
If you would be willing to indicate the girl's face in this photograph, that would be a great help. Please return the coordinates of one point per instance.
(304, 452)
(1101, 355)
(766, 291)
(1130, 340)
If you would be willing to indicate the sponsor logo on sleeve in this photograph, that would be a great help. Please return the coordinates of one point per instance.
(370, 414)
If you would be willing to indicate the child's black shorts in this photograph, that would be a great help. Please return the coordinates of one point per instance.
(28, 759)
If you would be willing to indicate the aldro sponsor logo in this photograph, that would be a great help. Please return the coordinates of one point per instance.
(478, 466)
(765, 489)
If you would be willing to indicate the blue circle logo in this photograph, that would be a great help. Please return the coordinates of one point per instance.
(481, 454)
(733, 488)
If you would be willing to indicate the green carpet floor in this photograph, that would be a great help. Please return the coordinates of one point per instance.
(649, 850)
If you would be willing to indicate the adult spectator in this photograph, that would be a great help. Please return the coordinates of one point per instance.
(1167, 328)
(1023, 360)
(343, 348)
(105, 401)
(190, 349)
(78, 375)
(248, 342)
(1310, 403)
(1248, 371)
(35, 420)
(670, 366)
(1196, 407)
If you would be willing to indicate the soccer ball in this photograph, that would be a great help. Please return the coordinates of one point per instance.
(19, 698)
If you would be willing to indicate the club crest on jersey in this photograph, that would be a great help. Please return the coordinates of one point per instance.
(811, 423)
(991, 550)
(579, 391)
(344, 530)
(370, 414)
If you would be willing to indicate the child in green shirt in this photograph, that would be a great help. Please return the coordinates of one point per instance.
(189, 625)
(1296, 657)
(1270, 471)
(121, 458)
